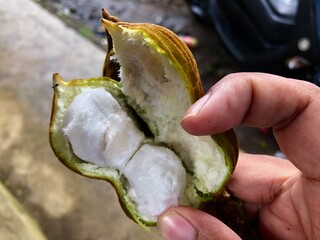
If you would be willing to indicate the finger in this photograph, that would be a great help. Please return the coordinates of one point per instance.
(258, 179)
(257, 100)
(191, 224)
(290, 106)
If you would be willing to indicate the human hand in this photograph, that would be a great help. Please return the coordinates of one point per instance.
(282, 196)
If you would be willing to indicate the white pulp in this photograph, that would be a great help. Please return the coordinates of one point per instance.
(99, 130)
(156, 177)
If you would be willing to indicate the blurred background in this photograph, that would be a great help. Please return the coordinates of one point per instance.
(41, 37)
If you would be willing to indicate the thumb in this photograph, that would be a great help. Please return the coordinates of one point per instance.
(184, 223)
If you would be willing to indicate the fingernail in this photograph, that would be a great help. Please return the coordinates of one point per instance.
(173, 226)
(196, 107)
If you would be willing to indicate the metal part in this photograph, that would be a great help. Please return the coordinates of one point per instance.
(304, 44)
(297, 62)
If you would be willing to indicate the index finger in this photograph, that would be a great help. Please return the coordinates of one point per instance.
(290, 107)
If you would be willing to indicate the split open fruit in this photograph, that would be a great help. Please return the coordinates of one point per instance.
(128, 132)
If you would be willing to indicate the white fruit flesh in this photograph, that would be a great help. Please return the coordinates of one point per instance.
(99, 130)
(156, 178)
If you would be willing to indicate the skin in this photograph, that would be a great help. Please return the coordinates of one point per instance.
(282, 197)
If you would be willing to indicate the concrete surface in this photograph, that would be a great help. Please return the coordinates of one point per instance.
(13, 216)
(34, 45)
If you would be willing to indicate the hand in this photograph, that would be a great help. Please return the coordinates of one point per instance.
(282, 196)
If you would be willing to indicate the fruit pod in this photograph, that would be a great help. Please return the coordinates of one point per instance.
(128, 131)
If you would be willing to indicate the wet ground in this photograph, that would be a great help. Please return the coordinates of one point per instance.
(213, 60)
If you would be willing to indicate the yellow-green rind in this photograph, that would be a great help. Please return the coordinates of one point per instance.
(228, 141)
